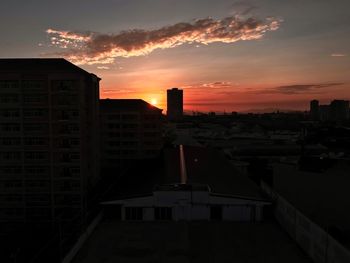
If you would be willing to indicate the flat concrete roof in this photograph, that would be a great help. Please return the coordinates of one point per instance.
(210, 167)
(138, 242)
(205, 166)
(321, 196)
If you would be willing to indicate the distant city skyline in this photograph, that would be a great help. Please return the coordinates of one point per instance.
(226, 55)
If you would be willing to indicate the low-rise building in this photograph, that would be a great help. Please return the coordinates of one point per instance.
(131, 129)
(198, 184)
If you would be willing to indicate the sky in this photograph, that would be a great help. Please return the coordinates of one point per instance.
(227, 55)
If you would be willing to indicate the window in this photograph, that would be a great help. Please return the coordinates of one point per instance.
(34, 99)
(133, 213)
(11, 198)
(67, 199)
(67, 172)
(130, 126)
(216, 213)
(129, 143)
(113, 152)
(8, 84)
(10, 170)
(65, 100)
(113, 126)
(129, 117)
(10, 141)
(66, 129)
(36, 141)
(62, 85)
(35, 127)
(113, 134)
(68, 185)
(129, 152)
(9, 113)
(9, 98)
(37, 199)
(113, 117)
(163, 213)
(114, 143)
(68, 157)
(34, 113)
(36, 156)
(10, 156)
(129, 135)
(152, 117)
(11, 184)
(64, 115)
(10, 127)
(151, 134)
(34, 85)
(36, 171)
(67, 143)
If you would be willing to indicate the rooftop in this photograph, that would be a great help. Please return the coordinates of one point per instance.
(45, 65)
(127, 104)
(209, 166)
(206, 168)
(182, 187)
(322, 196)
(189, 242)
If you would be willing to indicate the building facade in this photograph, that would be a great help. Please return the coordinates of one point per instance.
(188, 202)
(174, 104)
(49, 143)
(337, 110)
(314, 110)
(131, 129)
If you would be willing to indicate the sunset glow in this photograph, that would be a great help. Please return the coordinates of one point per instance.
(154, 102)
(226, 55)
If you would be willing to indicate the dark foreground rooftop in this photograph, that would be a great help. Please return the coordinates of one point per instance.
(127, 105)
(205, 167)
(189, 242)
(209, 166)
(43, 65)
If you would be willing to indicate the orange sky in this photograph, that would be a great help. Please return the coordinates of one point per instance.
(226, 55)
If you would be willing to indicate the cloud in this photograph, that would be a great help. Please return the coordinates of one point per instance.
(103, 67)
(96, 48)
(211, 85)
(338, 55)
(298, 89)
(114, 91)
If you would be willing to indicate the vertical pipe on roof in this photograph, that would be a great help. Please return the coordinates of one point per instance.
(182, 166)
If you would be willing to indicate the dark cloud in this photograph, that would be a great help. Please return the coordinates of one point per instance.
(96, 48)
(299, 89)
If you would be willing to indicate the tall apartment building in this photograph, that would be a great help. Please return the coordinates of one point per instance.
(49, 143)
(131, 129)
(339, 110)
(314, 110)
(174, 104)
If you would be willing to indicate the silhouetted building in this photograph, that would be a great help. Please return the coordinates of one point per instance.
(324, 112)
(174, 104)
(49, 144)
(339, 110)
(131, 129)
(314, 109)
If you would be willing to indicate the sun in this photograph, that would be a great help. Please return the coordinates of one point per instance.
(154, 102)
